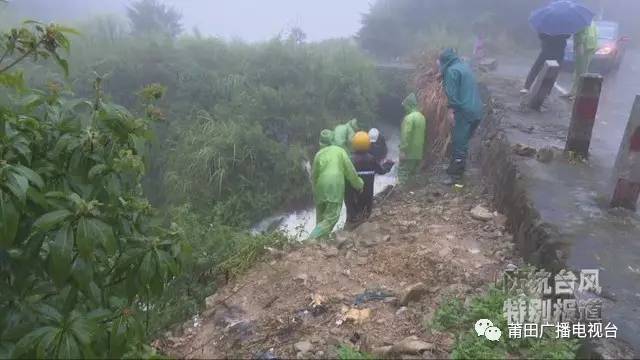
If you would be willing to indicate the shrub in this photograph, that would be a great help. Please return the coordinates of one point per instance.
(453, 316)
(81, 253)
(234, 170)
(217, 253)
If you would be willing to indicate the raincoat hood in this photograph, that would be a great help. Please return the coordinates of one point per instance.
(326, 137)
(410, 103)
(447, 58)
(353, 123)
(374, 134)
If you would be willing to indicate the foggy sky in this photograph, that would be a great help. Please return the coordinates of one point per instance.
(260, 19)
(251, 20)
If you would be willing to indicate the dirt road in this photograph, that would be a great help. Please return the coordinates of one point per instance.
(421, 244)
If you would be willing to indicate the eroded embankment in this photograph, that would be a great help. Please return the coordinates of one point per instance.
(538, 236)
(534, 239)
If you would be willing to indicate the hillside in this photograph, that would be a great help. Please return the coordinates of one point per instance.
(365, 290)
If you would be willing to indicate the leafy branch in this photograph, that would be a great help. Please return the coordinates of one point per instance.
(37, 40)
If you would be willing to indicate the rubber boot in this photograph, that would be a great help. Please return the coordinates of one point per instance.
(456, 168)
(455, 172)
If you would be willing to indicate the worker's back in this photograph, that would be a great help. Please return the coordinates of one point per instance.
(413, 132)
(588, 38)
(329, 173)
(461, 86)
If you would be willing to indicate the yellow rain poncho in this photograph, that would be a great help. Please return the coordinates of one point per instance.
(412, 139)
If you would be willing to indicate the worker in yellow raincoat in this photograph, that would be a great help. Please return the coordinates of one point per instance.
(585, 45)
(412, 139)
(331, 169)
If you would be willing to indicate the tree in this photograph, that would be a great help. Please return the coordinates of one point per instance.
(390, 27)
(110, 27)
(153, 18)
(297, 35)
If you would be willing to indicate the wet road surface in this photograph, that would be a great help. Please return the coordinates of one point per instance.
(575, 197)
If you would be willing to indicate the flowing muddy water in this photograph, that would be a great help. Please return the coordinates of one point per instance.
(299, 224)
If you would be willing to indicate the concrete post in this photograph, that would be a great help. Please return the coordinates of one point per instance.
(543, 84)
(626, 180)
(583, 116)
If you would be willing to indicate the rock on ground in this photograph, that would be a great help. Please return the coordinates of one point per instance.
(303, 347)
(413, 293)
(481, 213)
(524, 150)
(545, 155)
(488, 64)
(411, 345)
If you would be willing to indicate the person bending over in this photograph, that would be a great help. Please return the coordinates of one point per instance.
(359, 204)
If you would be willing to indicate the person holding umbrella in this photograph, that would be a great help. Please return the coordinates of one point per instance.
(555, 23)
(552, 49)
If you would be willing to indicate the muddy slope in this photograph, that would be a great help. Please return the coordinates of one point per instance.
(373, 288)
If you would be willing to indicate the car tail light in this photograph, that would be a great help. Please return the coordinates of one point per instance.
(605, 50)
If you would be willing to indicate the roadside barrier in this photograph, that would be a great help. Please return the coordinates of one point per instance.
(626, 175)
(583, 117)
(543, 84)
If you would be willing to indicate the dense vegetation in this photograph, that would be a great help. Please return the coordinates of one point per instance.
(81, 253)
(238, 117)
(216, 132)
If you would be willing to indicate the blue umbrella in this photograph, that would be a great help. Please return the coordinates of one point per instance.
(562, 17)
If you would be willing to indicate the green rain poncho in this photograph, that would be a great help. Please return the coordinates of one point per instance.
(344, 133)
(412, 138)
(412, 132)
(587, 38)
(331, 166)
(585, 44)
(463, 94)
(460, 86)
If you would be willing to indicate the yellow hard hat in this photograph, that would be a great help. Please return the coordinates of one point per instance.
(361, 141)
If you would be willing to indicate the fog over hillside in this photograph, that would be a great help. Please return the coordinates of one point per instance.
(251, 20)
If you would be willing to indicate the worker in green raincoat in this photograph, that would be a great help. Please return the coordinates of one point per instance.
(331, 166)
(412, 138)
(464, 101)
(343, 134)
(585, 45)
